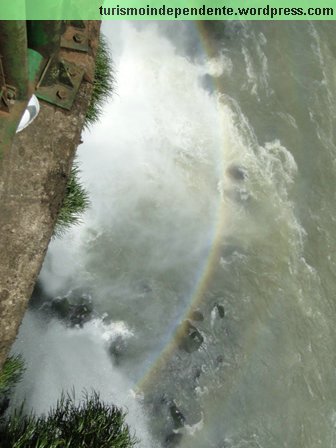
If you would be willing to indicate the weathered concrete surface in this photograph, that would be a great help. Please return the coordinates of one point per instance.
(33, 177)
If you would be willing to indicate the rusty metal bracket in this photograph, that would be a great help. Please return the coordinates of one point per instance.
(76, 37)
(59, 82)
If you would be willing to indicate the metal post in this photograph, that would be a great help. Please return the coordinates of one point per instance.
(44, 36)
(13, 49)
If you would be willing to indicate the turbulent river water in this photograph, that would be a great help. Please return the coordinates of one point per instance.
(212, 184)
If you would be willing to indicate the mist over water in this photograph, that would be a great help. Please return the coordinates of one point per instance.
(211, 177)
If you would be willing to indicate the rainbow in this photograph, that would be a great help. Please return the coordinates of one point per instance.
(208, 267)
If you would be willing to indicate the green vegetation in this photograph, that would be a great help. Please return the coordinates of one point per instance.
(11, 373)
(103, 85)
(91, 423)
(75, 203)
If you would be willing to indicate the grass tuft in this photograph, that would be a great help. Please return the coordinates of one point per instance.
(91, 423)
(75, 203)
(11, 373)
(103, 85)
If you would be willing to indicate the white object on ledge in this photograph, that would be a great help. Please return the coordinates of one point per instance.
(29, 115)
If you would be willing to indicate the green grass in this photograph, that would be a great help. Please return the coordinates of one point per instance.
(103, 85)
(89, 424)
(11, 373)
(75, 203)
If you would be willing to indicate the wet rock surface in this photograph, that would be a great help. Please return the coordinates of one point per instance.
(74, 311)
(61, 307)
(220, 310)
(190, 339)
(197, 316)
(118, 349)
(176, 415)
(74, 308)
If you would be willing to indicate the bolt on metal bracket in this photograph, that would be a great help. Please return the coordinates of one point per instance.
(76, 37)
(59, 82)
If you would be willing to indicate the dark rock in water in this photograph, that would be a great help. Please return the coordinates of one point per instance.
(177, 416)
(220, 310)
(61, 307)
(236, 172)
(81, 314)
(220, 359)
(198, 373)
(197, 316)
(191, 338)
(117, 349)
(173, 440)
(75, 311)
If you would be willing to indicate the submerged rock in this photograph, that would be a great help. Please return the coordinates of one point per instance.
(236, 172)
(177, 416)
(118, 350)
(198, 373)
(190, 338)
(81, 314)
(220, 310)
(196, 315)
(173, 440)
(61, 307)
(74, 311)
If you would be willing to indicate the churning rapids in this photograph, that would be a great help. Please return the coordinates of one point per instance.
(207, 258)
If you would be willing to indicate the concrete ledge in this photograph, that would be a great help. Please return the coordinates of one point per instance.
(33, 177)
